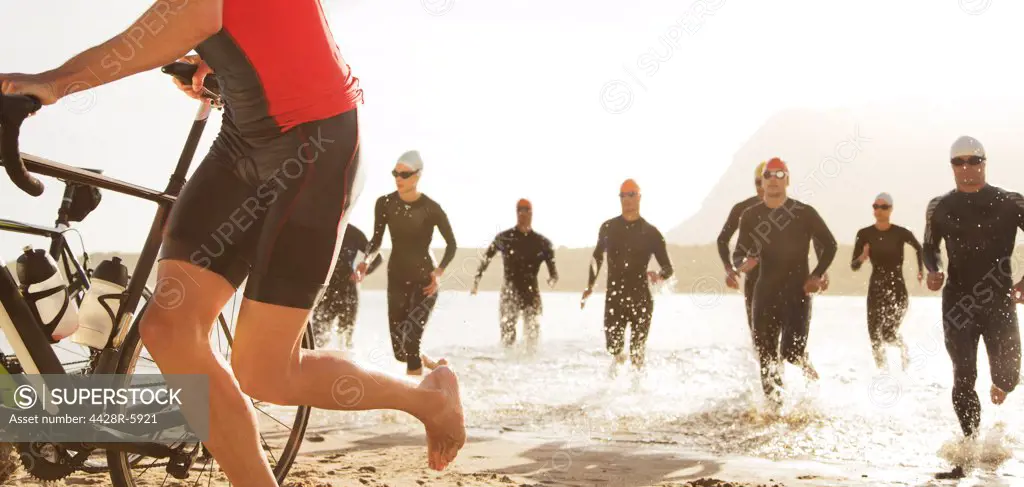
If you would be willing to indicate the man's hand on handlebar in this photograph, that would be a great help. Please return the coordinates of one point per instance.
(36, 85)
(196, 89)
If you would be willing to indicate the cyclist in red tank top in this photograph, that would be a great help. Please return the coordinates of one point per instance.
(268, 206)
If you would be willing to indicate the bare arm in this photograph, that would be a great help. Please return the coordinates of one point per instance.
(168, 30)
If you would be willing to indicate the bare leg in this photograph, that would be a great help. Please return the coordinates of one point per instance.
(176, 331)
(272, 367)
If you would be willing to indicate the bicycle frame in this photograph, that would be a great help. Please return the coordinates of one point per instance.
(59, 249)
(42, 359)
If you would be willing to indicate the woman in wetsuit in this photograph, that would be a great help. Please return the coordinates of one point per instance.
(413, 278)
(882, 243)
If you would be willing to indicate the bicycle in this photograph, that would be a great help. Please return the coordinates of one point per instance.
(123, 351)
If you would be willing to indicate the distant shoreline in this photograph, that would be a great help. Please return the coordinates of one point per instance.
(698, 270)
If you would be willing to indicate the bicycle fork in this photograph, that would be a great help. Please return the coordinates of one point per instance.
(107, 361)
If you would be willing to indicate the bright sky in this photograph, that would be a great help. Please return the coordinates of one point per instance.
(554, 101)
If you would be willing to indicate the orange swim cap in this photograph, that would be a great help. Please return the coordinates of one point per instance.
(759, 171)
(776, 164)
(628, 186)
(524, 203)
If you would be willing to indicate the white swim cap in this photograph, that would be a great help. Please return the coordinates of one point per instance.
(886, 197)
(966, 147)
(412, 159)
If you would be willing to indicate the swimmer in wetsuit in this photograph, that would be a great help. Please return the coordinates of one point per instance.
(340, 303)
(732, 223)
(522, 251)
(630, 241)
(883, 244)
(413, 279)
(776, 235)
(978, 223)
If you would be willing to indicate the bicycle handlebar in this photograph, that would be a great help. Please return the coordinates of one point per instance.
(14, 109)
(184, 73)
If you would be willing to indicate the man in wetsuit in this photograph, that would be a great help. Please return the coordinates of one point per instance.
(267, 206)
(776, 236)
(630, 241)
(340, 303)
(887, 299)
(978, 223)
(522, 251)
(732, 223)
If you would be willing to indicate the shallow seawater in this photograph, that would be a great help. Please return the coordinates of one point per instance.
(700, 387)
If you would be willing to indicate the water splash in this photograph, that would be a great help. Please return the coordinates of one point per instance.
(986, 453)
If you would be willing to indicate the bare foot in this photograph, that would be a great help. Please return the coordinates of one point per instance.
(446, 426)
(809, 372)
(430, 364)
(998, 395)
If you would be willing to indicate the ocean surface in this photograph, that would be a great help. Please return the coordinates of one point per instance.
(700, 388)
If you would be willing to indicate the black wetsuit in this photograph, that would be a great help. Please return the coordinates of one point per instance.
(409, 267)
(732, 223)
(887, 290)
(980, 230)
(341, 300)
(522, 254)
(628, 299)
(781, 239)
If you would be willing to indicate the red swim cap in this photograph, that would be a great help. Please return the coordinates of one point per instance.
(524, 203)
(776, 164)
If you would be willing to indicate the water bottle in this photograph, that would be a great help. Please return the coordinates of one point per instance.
(101, 303)
(11, 332)
(44, 288)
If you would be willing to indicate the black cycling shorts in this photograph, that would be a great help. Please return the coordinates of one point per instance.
(270, 208)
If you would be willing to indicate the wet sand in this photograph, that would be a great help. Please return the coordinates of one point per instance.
(394, 456)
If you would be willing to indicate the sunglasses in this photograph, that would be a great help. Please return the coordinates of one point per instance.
(971, 161)
(404, 174)
(780, 174)
(881, 207)
(631, 194)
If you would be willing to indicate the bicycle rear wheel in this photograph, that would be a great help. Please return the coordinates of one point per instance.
(281, 428)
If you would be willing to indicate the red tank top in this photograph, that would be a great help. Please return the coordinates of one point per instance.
(279, 65)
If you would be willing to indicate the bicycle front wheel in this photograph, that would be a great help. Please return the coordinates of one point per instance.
(281, 427)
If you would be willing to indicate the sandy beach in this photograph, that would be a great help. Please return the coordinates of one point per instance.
(394, 456)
